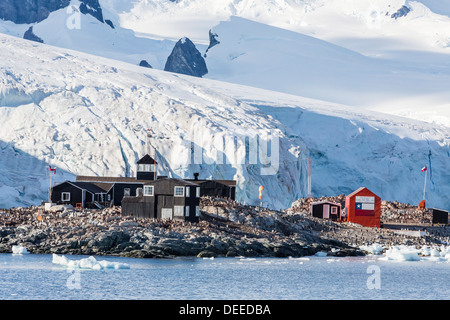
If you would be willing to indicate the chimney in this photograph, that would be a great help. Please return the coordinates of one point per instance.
(196, 176)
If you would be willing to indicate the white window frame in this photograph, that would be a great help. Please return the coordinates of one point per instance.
(139, 192)
(186, 210)
(188, 192)
(65, 196)
(125, 191)
(140, 167)
(197, 192)
(178, 211)
(146, 167)
(334, 210)
(197, 211)
(149, 191)
(175, 191)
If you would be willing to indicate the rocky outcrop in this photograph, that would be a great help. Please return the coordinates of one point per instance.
(402, 12)
(32, 11)
(212, 41)
(29, 35)
(186, 59)
(93, 8)
(226, 228)
(29, 11)
(144, 64)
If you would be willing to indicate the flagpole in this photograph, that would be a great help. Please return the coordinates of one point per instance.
(425, 184)
(50, 187)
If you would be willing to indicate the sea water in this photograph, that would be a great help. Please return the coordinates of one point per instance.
(35, 276)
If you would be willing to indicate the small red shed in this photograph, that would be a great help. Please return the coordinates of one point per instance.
(363, 207)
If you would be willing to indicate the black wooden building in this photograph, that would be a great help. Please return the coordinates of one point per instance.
(217, 188)
(440, 216)
(77, 193)
(165, 199)
(326, 210)
(96, 191)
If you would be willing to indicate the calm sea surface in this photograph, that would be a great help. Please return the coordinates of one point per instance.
(30, 276)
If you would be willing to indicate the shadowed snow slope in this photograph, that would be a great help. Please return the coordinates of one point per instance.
(88, 115)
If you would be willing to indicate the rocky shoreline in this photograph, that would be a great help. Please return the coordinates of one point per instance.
(226, 228)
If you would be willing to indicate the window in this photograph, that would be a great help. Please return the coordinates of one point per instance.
(197, 192)
(178, 211)
(126, 192)
(188, 191)
(108, 197)
(197, 211)
(334, 210)
(146, 167)
(65, 196)
(179, 192)
(149, 191)
(187, 211)
(138, 192)
(166, 213)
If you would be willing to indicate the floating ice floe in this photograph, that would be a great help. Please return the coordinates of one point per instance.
(88, 263)
(411, 253)
(402, 253)
(373, 248)
(19, 250)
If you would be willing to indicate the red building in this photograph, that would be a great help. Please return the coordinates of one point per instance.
(363, 207)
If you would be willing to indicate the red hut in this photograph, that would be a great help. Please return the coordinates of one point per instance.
(363, 207)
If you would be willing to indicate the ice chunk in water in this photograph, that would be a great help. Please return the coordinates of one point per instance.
(88, 263)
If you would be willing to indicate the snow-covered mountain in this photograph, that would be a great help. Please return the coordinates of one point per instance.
(87, 115)
(69, 26)
(313, 75)
(384, 55)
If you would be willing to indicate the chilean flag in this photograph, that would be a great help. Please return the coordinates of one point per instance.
(424, 169)
(364, 209)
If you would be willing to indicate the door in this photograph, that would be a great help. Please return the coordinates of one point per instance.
(166, 213)
(326, 211)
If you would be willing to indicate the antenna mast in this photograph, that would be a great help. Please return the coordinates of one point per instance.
(149, 150)
(149, 147)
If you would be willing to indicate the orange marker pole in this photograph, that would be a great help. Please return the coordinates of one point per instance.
(261, 188)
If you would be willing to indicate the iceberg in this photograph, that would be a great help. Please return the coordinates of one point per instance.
(373, 248)
(88, 263)
(19, 250)
(410, 253)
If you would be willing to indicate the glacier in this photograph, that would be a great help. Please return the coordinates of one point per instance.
(88, 115)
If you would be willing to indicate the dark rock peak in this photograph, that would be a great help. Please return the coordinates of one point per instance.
(33, 11)
(29, 35)
(93, 8)
(212, 41)
(29, 11)
(145, 64)
(109, 23)
(186, 59)
(402, 12)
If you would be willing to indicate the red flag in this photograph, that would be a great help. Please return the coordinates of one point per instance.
(424, 169)
(52, 169)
